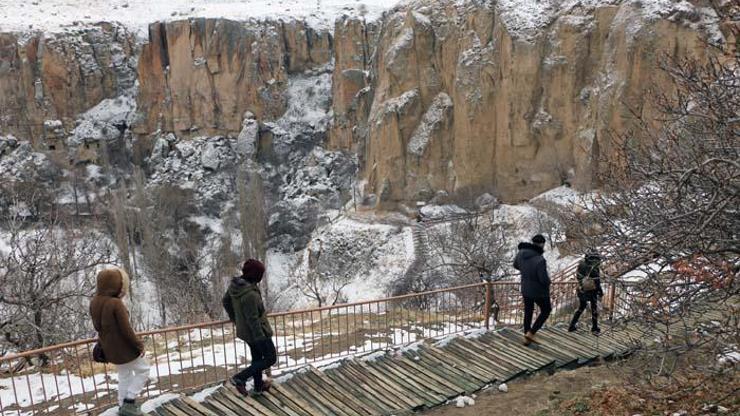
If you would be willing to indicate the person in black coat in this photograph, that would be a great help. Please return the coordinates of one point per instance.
(588, 268)
(535, 284)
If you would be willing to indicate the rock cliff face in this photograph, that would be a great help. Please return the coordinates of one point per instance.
(439, 98)
(56, 77)
(476, 97)
(202, 75)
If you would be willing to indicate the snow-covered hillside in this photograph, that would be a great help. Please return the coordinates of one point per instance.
(62, 15)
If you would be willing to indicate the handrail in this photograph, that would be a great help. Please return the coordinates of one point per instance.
(70, 344)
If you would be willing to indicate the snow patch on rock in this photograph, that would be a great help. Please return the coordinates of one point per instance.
(438, 113)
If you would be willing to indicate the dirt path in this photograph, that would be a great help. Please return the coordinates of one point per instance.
(533, 395)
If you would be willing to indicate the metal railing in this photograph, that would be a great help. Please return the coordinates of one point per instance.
(63, 379)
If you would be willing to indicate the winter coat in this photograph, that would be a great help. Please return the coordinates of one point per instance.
(533, 267)
(243, 304)
(589, 267)
(111, 319)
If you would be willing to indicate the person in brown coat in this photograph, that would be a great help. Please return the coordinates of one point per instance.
(118, 340)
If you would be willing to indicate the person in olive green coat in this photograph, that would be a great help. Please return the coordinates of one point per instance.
(243, 304)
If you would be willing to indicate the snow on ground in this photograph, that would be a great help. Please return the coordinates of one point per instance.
(393, 255)
(61, 15)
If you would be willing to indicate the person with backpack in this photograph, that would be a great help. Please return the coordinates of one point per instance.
(589, 290)
(117, 340)
(535, 284)
(243, 304)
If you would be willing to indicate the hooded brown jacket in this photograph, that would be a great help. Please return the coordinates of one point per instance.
(110, 318)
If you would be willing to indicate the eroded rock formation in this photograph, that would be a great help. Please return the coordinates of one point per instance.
(482, 97)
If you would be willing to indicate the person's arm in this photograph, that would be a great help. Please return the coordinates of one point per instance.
(596, 275)
(228, 306)
(251, 313)
(122, 319)
(542, 273)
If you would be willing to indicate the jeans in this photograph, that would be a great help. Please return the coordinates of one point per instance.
(132, 378)
(583, 299)
(263, 357)
(545, 308)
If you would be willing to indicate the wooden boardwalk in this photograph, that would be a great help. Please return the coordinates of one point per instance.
(420, 377)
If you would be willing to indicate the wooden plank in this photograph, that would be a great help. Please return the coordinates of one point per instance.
(450, 382)
(431, 398)
(485, 376)
(605, 348)
(276, 403)
(589, 342)
(340, 392)
(511, 362)
(427, 399)
(197, 406)
(165, 411)
(216, 402)
(324, 388)
(446, 371)
(382, 383)
(546, 339)
(317, 395)
(584, 353)
(539, 359)
(464, 361)
(564, 358)
(170, 406)
(394, 395)
(300, 394)
(282, 402)
(249, 405)
(504, 368)
(360, 392)
(450, 363)
(297, 399)
(419, 378)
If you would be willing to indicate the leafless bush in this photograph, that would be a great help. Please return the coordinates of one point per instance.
(669, 214)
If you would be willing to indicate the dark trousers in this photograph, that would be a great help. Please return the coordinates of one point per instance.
(263, 357)
(583, 299)
(545, 308)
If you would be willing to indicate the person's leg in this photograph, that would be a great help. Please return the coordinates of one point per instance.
(528, 311)
(247, 373)
(581, 307)
(140, 377)
(124, 381)
(545, 308)
(594, 313)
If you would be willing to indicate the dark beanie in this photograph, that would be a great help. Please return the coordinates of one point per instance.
(253, 270)
(538, 239)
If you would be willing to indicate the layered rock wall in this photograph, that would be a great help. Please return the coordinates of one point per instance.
(201, 75)
(56, 77)
(469, 98)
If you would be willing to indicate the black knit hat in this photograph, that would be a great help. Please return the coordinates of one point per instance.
(539, 239)
(253, 270)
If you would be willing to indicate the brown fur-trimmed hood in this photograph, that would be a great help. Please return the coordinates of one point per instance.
(113, 282)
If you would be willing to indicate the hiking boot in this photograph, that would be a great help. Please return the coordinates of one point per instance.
(239, 386)
(130, 408)
(259, 392)
(528, 338)
(572, 328)
(596, 331)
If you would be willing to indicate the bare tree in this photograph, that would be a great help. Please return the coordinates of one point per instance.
(670, 207)
(331, 263)
(252, 220)
(47, 275)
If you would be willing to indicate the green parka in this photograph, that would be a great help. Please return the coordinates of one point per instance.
(243, 304)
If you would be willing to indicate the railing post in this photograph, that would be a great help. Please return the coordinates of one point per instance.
(487, 309)
(611, 299)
